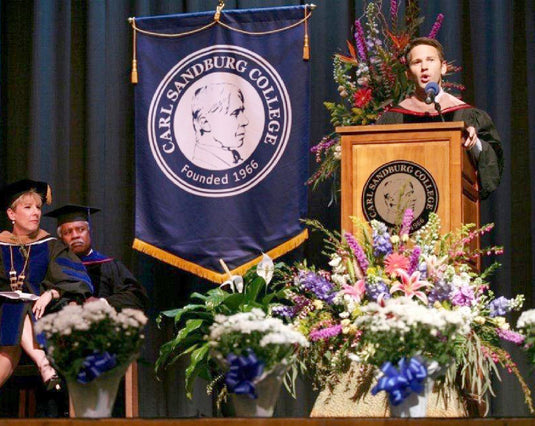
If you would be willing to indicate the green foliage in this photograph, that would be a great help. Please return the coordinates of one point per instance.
(192, 323)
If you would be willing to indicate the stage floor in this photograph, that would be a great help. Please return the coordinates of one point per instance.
(272, 422)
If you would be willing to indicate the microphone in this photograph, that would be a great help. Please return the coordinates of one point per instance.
(431, 90)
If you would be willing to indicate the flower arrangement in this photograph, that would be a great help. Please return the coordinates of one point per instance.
(372, 76)
(83, 342)
(249, 345)
(391, 297)
(229, 334)
(526, 325)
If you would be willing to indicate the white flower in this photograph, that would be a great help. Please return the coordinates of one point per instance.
(337, 152)
(235, 283)
(527, 319)
(265, 268)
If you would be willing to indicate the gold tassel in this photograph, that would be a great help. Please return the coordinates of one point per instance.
(134, 76)
(48, 198)
(306, 47)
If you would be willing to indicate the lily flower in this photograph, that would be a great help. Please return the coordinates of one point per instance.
(265, 268)
(410, 285)
(356, 291)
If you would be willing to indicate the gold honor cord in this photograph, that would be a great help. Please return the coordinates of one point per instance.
(217, 20)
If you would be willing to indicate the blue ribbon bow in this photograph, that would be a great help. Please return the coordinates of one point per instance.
(400, 383)
(94, 365)
(243, 370)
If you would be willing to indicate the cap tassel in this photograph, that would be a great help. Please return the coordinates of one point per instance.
(48, 198)
(306, 46)
(134, 75)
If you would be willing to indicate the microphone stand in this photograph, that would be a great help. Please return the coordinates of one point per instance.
(439, 110)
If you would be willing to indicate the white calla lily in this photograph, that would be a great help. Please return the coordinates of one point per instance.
(265, 268)
(235, 284)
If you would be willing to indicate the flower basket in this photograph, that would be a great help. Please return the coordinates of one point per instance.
(235, 342)
(268, 387)
(96, 398)
(91, 346)
(351, 396)
(391, 296)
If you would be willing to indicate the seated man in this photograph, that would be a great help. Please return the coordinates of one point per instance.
(111, 279)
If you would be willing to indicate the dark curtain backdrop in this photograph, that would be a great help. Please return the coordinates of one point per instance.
(67, 117)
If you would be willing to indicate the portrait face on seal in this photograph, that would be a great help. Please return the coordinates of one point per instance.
(219, 122)
(396, 186)
(398, 195)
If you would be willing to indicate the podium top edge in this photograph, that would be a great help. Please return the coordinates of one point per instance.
(373, 128)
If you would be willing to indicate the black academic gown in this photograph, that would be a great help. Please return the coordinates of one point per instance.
(114, 282)
(490, 162)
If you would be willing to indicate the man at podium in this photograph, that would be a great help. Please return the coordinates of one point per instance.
(429, 103)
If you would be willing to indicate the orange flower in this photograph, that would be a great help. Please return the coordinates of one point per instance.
(395, 261)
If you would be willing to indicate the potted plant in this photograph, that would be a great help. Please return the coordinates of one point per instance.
(232, 341)
(380, 276)
(91, 346)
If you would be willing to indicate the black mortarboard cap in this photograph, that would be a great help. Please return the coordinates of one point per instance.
(12, 191)
(72, 213)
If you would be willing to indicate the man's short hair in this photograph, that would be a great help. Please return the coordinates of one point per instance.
(427, 41)
(211, 98)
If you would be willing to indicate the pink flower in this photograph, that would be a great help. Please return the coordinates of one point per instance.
(394, 262)
(410, 285)
(510, 336)
(362, 97)
(325, 333)
(355, 291)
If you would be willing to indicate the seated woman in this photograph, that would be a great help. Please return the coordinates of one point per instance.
(33, 262)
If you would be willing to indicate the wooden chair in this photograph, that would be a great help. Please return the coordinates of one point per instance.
(27, 379)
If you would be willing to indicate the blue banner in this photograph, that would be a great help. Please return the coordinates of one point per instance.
(222, 131)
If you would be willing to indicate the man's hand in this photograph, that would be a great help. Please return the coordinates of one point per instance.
(469, 137)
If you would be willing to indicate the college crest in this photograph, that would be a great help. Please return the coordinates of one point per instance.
(219, 121)
(397, 186)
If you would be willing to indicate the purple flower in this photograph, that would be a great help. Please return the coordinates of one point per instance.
(436, 26)
(360, 41)
(422, 267)
(499, 307)
(510, 336)
(406, 223)
(441, 291)
(374, 290)
(393, 9)
(463, 296)
(324, 145)
(325, 333)
(283, 311)
(318, 285)
(381, 240)
(415, 256)
(357, 251)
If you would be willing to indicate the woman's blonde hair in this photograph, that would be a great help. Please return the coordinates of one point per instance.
(31, 193)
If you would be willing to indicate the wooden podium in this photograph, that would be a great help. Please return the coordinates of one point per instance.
(386, 168)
